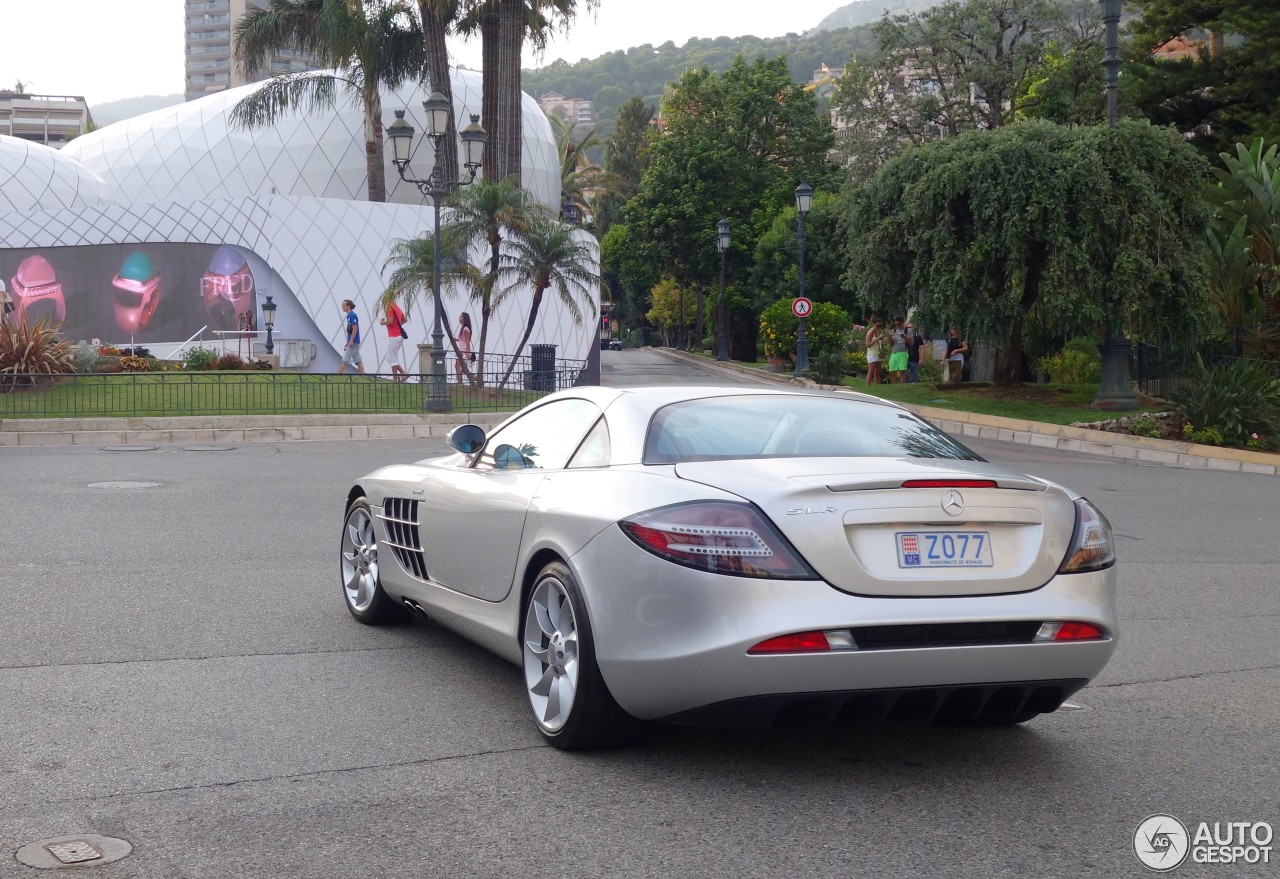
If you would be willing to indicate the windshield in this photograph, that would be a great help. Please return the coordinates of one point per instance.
(781, 426)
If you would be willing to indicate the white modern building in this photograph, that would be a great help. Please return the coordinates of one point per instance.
(175, 225)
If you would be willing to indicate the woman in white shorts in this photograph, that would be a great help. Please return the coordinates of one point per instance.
(873, 352)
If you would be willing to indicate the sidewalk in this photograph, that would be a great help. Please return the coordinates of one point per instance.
(1051, 436)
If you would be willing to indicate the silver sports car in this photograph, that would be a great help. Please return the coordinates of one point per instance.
(740, 557)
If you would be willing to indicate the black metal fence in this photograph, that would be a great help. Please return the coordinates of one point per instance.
(1159, 371)
(272, 392)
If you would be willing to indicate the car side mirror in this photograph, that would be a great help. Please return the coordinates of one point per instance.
(468, 439)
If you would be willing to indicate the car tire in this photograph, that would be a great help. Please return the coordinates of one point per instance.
(571, 704)
(358, 565)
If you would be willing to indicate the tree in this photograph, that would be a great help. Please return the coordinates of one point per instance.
(503, 26)
(1034, 222)
(775, 273)
(369, 44)
(1245, 240)
(578, 174)
(734, 146)
(625, 158)
(549, 255)
(488, 213)
(1227, 93)
(437, 18)
(413, 276)
(963, 66)
(670, 309)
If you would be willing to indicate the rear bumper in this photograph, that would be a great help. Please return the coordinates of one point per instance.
(672, 642)
(991, 703)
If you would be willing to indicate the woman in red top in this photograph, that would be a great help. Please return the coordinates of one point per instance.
(394, 322)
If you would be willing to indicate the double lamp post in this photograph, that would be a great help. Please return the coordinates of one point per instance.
(437, 186)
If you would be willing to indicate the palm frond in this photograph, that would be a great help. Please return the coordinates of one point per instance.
(306, 92)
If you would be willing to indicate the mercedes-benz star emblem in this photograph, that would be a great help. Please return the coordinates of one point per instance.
(952, 503)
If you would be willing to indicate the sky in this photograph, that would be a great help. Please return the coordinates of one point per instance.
(106, 51)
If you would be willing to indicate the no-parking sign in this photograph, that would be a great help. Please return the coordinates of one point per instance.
(800, 306)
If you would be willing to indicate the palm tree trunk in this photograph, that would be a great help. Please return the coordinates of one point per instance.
(373, 145)
(491, 62)
(528, 331)
(437, 52)
(510, 131)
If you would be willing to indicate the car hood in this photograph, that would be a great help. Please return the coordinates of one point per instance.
(848, 517)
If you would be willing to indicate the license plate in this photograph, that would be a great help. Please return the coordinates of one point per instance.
(944, 549)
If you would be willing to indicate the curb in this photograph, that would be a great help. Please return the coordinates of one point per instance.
(233, 428)
(1063, 437)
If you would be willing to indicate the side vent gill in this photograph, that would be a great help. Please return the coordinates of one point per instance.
(400, 522)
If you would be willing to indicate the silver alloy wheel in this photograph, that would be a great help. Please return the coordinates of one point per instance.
(359, 559)
(551, 653)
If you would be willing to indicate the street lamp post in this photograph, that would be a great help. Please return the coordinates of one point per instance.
(269, 319)
(1113, 389)
(722, 245)
(804, 198)
(437, 186)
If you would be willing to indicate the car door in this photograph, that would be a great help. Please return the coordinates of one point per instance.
(473, 521)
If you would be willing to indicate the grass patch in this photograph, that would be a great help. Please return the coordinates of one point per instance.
(1047, 403)
(238, 393)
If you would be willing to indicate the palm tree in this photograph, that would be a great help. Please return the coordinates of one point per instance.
(414, 262)
(578, 174)
(437, 18)
(503, 26)
(369, 44)
(548, 255)
(487, 212)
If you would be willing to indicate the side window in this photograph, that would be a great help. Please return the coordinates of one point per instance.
(594, 451)
(543, 438)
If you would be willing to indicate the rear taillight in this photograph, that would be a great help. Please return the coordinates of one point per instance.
(1069, 631)
(721, 538)
(1092, 545)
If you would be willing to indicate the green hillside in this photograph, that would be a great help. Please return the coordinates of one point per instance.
(645, 70)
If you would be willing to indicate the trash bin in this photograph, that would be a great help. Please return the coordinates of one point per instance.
(543, 361)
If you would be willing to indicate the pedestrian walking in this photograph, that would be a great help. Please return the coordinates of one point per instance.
(464, 343)
(351, 338)
(394, 320)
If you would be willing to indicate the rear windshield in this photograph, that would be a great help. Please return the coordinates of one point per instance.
(785, 426)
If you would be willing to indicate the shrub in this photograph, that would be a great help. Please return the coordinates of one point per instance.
(826, 328)
(133, 363)
(1208, 436)
(109, 351)
(108, 363)
(229, 361)
(930, 371)
(1071, 368)
(34, 349)
(1144, 425)
(855, 361)
(1237, 400)
(136, 351)
(828, 368)
(86, 356)
(198, 359)
(1086, 346)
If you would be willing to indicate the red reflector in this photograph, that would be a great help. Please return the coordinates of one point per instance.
(949, 483)
(802, 642)
(1078, 632)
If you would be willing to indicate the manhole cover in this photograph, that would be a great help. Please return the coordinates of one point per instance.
(208, 448)
(128, 448)
(125, 486)
(80, 850)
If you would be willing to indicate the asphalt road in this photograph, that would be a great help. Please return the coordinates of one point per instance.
(177, 669)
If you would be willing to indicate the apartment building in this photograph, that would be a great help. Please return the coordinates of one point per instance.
(210, 27)
(575, 111)
(51, 120)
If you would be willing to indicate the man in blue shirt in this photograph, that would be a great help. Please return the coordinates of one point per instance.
(351, 339)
